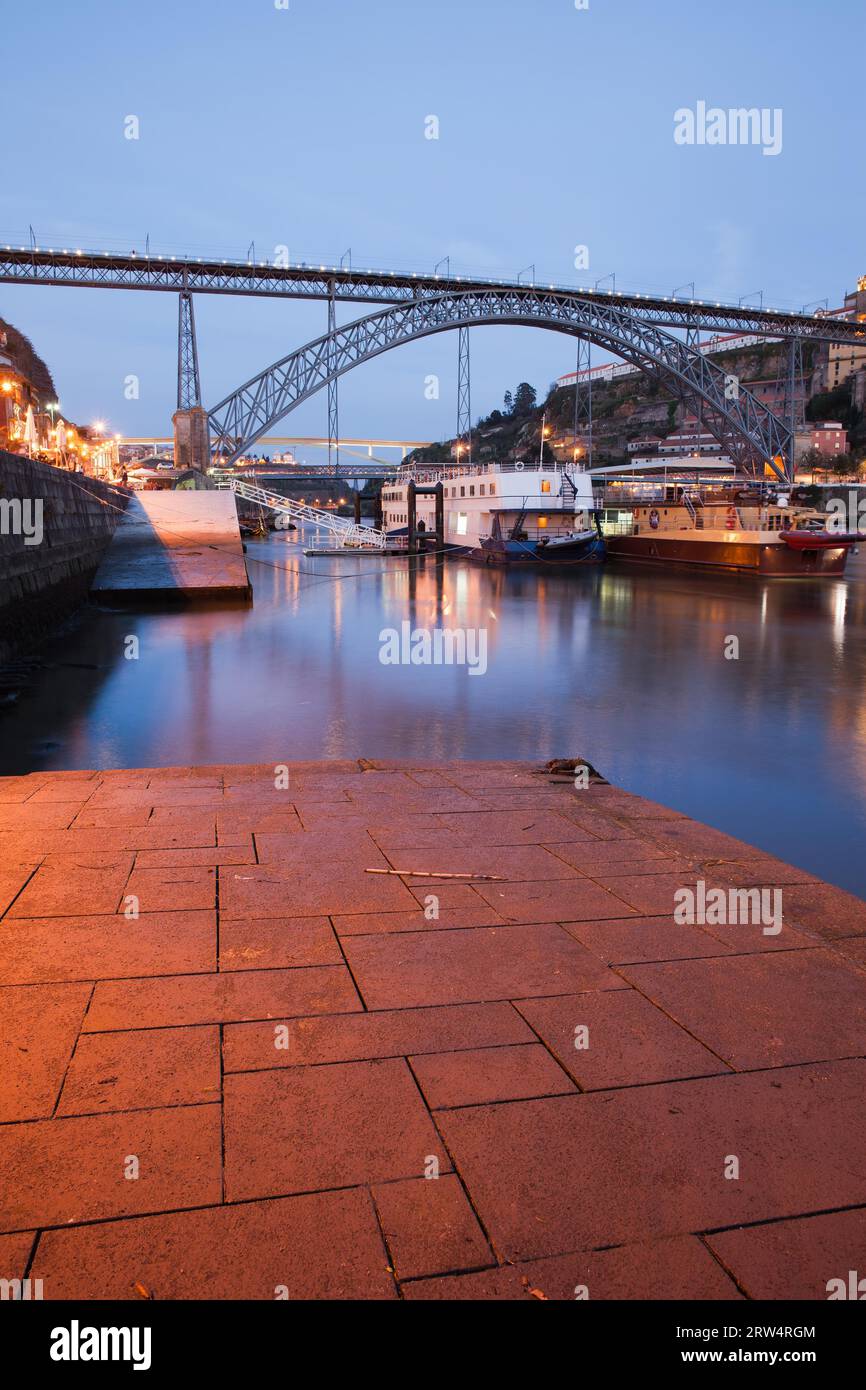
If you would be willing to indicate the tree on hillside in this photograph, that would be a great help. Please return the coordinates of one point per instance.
(494, 418)
(524, 399)
(508, 402)
(831, 405)
(841, 465)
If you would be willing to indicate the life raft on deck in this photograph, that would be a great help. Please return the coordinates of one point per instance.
(817, 540)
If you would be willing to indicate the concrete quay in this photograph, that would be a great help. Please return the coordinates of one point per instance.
(237, 1062)
(182, 544)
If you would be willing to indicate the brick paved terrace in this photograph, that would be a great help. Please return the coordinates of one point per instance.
(232, 1059)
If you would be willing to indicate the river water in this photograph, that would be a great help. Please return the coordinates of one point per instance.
(621, 666)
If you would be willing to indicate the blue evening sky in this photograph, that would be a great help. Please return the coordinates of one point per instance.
(305, 126)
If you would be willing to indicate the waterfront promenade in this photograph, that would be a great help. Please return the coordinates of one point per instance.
(234, 1059)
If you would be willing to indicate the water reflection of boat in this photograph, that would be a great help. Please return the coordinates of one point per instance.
(504, 515)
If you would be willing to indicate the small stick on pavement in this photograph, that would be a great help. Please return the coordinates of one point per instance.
(431, 873)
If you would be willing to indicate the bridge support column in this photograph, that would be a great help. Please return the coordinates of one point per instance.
(581, 456)
(464, 397)
(333, 402)
(190, 421)
(795, 402)
(191, 439)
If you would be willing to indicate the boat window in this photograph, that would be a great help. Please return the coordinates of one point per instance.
(463, 492)
(492, 489)
(545, 485)
(481, 494)
(472, 490)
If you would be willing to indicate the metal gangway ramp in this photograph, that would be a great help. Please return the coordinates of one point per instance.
(349, 534)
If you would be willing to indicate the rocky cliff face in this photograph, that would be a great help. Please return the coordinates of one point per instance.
(27, 360)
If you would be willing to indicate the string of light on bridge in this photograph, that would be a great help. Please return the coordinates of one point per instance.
(354, 272)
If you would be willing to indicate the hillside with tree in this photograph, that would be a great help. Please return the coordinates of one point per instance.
(635, 407)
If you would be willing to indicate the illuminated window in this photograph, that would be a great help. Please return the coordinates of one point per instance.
(545, 485)
(462, 522)
(542, 521)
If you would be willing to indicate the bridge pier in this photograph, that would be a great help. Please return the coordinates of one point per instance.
(191, 438)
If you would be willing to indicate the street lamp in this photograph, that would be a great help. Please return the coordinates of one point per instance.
(544, 433)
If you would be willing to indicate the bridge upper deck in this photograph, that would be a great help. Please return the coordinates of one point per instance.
(135, 271)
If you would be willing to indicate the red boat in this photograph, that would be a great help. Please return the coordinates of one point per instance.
(817, 540)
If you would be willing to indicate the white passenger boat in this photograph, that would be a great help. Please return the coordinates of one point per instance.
(503, 514)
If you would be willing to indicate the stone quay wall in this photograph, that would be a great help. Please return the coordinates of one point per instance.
(54, 528)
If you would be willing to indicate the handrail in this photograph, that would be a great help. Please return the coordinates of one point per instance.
(350, 534)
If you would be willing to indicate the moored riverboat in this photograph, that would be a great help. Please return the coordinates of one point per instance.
(734, 530)
(504, 514)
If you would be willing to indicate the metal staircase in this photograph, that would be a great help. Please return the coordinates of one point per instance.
(694, 507)
(568, 490)
(350, 535)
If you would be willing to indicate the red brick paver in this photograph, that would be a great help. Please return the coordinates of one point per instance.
(797, 1259)
(326, 1245)
(430, 1227)
(234, 1063)
(476, 1076)
(141, 1069)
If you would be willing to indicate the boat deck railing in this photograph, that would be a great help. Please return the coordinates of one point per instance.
(427, 472)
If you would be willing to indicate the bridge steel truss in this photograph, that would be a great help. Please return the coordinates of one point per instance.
(106, 270)
(188, 381)
(744, 426)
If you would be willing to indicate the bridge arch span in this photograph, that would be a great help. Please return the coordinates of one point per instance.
(745, 427)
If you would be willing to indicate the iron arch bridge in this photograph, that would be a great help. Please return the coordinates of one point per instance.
(745, 428)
